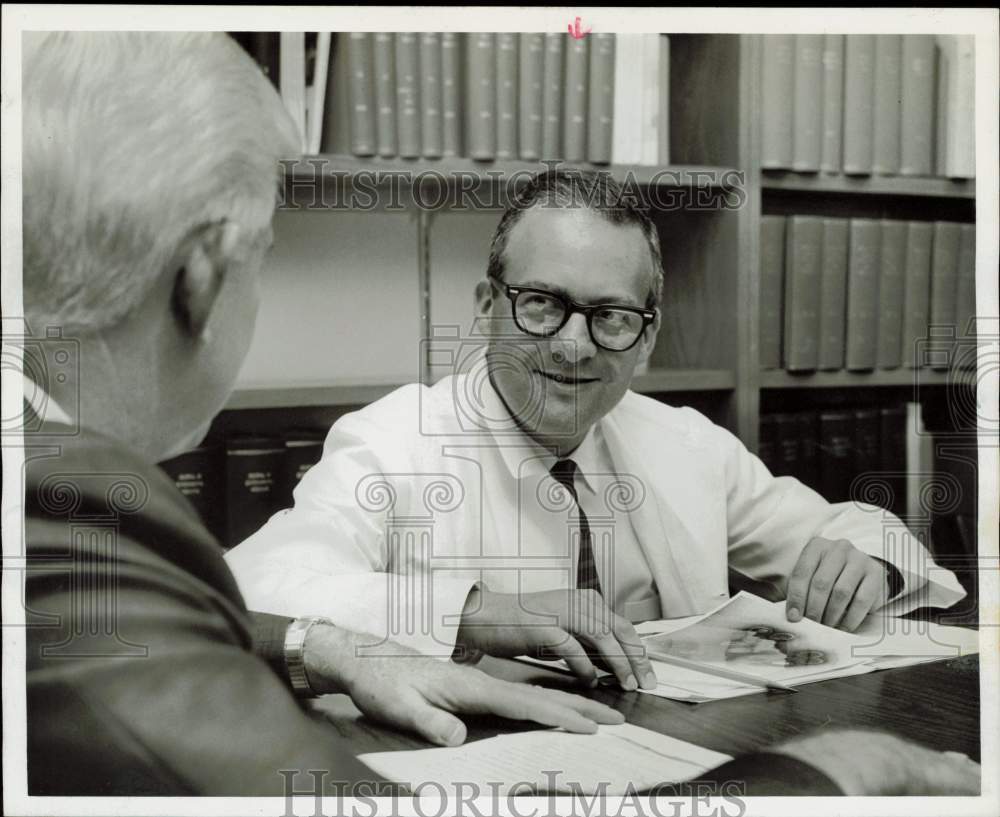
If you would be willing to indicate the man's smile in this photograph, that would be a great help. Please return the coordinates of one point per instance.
(565, 379)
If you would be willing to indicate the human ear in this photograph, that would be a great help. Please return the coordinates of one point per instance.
(206, 256)
(484, 298)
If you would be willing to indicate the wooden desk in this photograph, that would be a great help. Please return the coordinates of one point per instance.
(934, 704)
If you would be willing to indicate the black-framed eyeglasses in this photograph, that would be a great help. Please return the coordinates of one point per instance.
(538, 312)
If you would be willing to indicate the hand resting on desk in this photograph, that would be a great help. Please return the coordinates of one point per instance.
(412, 691)
(563, 624)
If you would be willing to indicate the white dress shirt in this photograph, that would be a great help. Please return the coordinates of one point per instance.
(430, 490)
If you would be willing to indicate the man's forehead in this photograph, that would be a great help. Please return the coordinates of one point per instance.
(577, 252)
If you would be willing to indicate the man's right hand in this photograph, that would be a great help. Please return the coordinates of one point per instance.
(574, 625)
(411, 691)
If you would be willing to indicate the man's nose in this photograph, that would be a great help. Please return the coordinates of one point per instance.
(573, 344)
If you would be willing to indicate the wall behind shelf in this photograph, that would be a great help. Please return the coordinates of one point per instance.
(339, 300)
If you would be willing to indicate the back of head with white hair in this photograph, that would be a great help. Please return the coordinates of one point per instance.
(131, 140)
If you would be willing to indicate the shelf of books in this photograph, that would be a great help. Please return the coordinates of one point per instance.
(454, 170)
(927, 187)
(778, 379)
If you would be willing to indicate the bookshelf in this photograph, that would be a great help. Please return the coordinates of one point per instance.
(709, 340)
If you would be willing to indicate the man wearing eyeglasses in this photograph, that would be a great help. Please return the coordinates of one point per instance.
(531, 503)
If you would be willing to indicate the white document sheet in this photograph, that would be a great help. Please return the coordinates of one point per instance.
(613, 761)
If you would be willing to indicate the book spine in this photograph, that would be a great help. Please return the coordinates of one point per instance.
(944, 280)
(336, 136)
(506, 79)
(807, 107)
(600, 98)
(808, 449)
(916, 128)
(198, 475)
(777, 94)
(887, 113)
(892, 457)
(772, 273)
(362, 93)
(803, 247)
(836, 462)
(252, 467)
(302, 452)
(531, 59)
(833, 103)
(575, 101)
(431, 120)
(916, 289)
(833, 294)
(292, 80)
(941, 101)
(451, 93)
(892, 266)
(407, 95)
(862, 294)
(965, 298)
(480, 75)
(664, 123)
(552, 97)
(960, 152)
(384, 54)
(318, 99)
(867, 446)
(626, 118)
(859, 102)
(650, 83)
(787, 447)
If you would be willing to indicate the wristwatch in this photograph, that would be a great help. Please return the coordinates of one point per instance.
(295, 643)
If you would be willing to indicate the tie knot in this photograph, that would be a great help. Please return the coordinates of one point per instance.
(564, 472)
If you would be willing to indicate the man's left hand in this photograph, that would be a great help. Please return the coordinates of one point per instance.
(836, 584)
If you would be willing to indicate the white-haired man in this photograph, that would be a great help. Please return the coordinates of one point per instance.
(150, 167)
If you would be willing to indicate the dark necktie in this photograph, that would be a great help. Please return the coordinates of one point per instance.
(564, 472)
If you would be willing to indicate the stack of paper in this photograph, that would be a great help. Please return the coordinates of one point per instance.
(616, 760)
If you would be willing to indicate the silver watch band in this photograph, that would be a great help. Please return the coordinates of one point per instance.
(295, 642)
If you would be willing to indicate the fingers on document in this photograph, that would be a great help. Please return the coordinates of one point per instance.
(867, 596)
(842, 594)
(552, 708)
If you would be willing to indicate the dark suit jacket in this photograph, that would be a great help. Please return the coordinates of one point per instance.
(142, 674)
